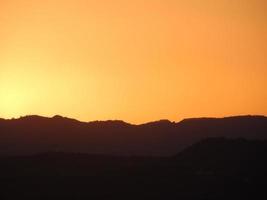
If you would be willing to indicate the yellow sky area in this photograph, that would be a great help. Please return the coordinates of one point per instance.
(138, 61)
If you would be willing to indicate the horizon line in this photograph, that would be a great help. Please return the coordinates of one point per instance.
(119, 120)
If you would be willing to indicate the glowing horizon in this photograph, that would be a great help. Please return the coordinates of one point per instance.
(135, 61)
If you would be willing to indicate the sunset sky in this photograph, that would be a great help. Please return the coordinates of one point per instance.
(135, 60)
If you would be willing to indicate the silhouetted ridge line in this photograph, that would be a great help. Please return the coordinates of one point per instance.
(35, 134)
(243, 117)
(110, 123)
(162, 121)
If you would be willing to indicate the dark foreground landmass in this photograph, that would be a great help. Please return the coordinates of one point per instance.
(32, 135)
(214, 168)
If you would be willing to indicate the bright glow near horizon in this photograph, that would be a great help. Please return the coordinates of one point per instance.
(138, 61)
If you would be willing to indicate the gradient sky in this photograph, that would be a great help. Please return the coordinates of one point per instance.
(138, 61)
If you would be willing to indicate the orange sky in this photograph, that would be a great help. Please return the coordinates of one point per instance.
(138, 60)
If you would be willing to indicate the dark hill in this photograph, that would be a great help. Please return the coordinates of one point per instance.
(35, 134)
(214, 168)
(221, 155)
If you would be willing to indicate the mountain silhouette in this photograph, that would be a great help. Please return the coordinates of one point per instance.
(214, 155)
(35, 134)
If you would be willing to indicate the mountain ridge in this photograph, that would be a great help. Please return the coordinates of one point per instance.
(118, 120)
(33, 134)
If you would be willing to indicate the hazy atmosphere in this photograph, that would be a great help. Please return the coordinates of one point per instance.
(138, 61)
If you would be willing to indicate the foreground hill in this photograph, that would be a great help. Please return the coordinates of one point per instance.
(35, 134)
(215, 168)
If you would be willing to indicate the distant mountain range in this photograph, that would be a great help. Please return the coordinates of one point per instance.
(35, 134)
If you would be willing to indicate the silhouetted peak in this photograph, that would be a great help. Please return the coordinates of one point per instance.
(36, 119)
(57, 117)
(109, 123)
(61, 119)
(31, 117)
(162, 122)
